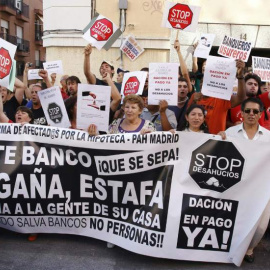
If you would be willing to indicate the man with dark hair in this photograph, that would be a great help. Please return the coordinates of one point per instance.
(250, 129)
(11, 100)
(105, 68)
(72, 85)
(182, 103)
(252, 85)
(38, 113)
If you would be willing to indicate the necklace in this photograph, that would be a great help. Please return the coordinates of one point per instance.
(183, 101)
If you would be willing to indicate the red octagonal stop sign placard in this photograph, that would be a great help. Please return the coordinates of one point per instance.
(180, 16)
(101, 30)
(131, 86)
(5, 63)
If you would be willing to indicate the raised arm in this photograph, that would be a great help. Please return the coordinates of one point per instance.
(115, 95)
(20, 87)
(3, 117)
(183, 65)
(86, 65)
(25, 81)
(194, 59)
(44, 75)
(241, 92)
(166, 125)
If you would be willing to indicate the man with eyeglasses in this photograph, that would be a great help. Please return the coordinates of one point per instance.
(250, 129)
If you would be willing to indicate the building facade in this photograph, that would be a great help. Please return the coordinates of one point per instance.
(22, 25)
(245, 19)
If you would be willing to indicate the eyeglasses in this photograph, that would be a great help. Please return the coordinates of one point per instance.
(255, 111)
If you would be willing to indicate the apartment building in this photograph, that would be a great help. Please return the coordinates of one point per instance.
(22, 25)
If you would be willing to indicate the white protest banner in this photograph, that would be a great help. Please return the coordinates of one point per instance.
(219, 77)
(93, 106)
(101, 32)
(33, 74)
(203, 203)
(54, 107)
(261, 67)
(163, 83)
(180, 16)
(54, 67)
(204, 45)
(133, 83)
(7, 52)
(131, 48)
(235, 48)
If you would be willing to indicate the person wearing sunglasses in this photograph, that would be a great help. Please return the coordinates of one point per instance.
(250, 129)
(251, 111)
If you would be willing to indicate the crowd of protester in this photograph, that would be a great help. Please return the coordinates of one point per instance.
(246, 115)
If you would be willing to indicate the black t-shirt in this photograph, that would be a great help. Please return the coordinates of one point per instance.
(10, 107)
(39, 117)
(100, 82)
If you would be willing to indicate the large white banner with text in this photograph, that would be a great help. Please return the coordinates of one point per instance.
(184, 196)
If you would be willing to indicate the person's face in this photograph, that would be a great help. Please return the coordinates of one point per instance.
(251, 113)
(4, 93)
(203, 67)
(252, 87)
(22, 117)
(182, 90)
(195, 119)
(34, 95)
(265, 88)
(63, 83)
(146, 81)
(105, 68)
(72, 87)
(120, 77)
(132, 111)
(145, 101)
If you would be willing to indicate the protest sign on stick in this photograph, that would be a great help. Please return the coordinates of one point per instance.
(261, 67)
(163, 83)
(33, 74)
(133, 83)
(54, 107)
(235, 48)
(131, 48)
(7, 66)
(101, 32)
(54, 67)
(204, 45)
(219, 77)
(180, 16)
(93, 106)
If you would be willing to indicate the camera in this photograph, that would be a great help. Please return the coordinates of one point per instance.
(30, 64)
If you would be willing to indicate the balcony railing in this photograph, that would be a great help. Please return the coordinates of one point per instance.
(38, 33)
(22, 44)
(24, 11)
(21, 8)
(8, 3)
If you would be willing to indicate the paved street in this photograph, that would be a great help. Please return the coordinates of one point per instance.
(74, 252)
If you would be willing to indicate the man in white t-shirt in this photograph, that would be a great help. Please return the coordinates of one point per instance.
(251, 110)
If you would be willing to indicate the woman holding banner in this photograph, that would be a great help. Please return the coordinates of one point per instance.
(133, 106)
(194, 120)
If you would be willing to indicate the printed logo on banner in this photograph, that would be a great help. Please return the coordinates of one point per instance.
(206, 223)
(5, 63)
(101, 30)
(132, 86)
(180, 16)
(216, 165)
(55, 112)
